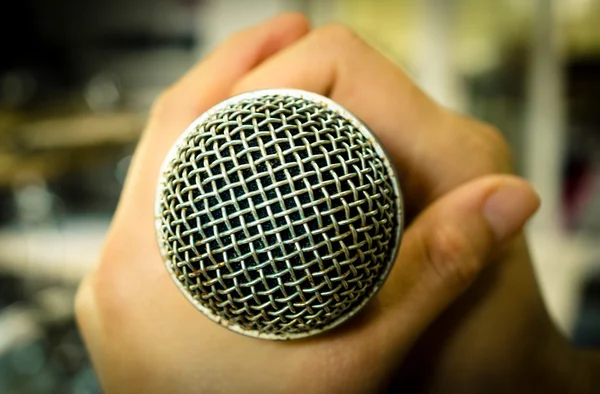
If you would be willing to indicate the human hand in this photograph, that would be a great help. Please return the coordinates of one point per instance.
(145, 337)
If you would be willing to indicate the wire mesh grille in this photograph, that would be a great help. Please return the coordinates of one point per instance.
(277, 215)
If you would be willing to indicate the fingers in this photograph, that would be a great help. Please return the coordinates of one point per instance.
(211, 80)
(424, 140)
(450, 243)
(205, 85)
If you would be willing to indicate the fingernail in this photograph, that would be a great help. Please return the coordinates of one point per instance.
(509, 207)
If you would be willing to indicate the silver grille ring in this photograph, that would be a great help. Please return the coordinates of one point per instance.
(278, 214)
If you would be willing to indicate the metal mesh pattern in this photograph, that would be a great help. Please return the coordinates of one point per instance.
(277, 216)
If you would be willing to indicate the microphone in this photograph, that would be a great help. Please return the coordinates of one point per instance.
(278, 214)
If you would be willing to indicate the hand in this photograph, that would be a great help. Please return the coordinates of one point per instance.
(465, 216)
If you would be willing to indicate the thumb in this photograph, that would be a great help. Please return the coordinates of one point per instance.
(449, 244)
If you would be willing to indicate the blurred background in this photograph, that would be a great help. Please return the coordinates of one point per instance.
(77, 79)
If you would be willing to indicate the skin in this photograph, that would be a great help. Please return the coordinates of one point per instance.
(460, 312)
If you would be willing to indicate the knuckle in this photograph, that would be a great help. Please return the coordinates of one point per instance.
(498, 148)
(235, 39)
(450, 255)
(338, 33)
(90, 304)
(487, 143)
(100, 292)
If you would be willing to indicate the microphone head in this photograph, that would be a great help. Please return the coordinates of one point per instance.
(278, 214)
